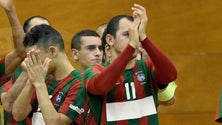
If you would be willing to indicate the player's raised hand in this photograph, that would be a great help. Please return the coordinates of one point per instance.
(7, 4)
(133, 33)
(140, 12)
(23, 66)
(36, 69)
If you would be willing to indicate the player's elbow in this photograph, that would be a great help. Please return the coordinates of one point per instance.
(7, 106)
(172, 77)
(171, 74)
(20, 114)
(7, 102)
(21, 52)
(166, 77)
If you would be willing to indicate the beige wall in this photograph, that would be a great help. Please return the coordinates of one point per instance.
(189, 31)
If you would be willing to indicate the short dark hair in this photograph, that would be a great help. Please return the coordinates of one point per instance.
(112, 28)
(76, 40)
(26, 24)
(44, 36)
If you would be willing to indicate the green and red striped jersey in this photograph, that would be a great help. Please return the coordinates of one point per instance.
(67, 95)
(120, 96)
(132, 101)
(8, 118)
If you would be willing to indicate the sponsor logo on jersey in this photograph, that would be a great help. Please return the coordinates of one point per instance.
(76, 108)
(141, 77)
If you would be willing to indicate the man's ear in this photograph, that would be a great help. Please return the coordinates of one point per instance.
(53, 51)
(109, 39)
(75, 54)
(107, 50)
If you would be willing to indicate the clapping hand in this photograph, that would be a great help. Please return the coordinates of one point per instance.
(36, 69)
(140, 12)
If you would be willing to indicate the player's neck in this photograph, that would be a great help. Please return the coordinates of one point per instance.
(131, 64)
(80, 67)
(63, 68)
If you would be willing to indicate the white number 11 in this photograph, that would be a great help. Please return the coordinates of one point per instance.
(133, 90)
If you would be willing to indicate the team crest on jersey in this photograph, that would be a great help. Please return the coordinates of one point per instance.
(59, 98)
(141, 77)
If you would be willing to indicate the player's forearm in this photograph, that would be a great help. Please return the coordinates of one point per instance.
(12, 61)
(50, 115)
(9, 97)
(14, 58)
(104, 81)
(17, 31)
(22, 107)
(165, 71)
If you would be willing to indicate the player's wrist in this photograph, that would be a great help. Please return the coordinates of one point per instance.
(142, 37)
(132, 44)
(10, 9)
(39, 85)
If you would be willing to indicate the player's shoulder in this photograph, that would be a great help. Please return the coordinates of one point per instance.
(2, 60)
(75, 75)
(95, 68)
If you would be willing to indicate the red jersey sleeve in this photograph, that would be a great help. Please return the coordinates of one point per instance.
(104, 78)
(164, 70)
